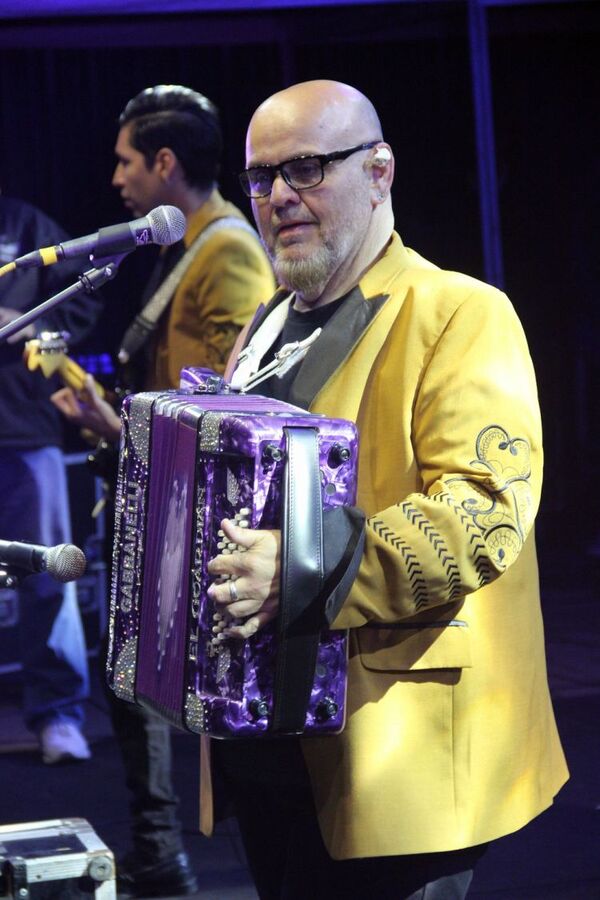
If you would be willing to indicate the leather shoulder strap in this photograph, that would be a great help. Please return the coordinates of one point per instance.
(300, 619)
(146, 321)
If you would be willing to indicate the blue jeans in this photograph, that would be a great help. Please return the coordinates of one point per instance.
(34, 507)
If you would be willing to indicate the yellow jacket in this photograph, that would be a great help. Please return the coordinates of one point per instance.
(450, 738)
(219, 292)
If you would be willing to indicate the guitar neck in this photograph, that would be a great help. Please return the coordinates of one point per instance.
(74, 376)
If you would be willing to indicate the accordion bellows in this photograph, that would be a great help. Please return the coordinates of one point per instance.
(188, 460)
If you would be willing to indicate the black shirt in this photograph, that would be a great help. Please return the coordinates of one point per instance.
(297, 327)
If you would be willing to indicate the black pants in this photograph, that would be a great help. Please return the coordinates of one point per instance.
(270, 790)
(144, 742)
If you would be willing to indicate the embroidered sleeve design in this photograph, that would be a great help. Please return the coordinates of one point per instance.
(446, 558)
(499, 503)
(414, 571)
(477, 546)
(218, 340)
(495, 509)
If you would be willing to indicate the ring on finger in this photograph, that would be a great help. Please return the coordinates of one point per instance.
(233, 594)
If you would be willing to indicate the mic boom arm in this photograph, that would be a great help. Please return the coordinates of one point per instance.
(86, 283)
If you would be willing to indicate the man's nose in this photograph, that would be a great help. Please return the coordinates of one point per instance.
(117, 180)
(281, 192)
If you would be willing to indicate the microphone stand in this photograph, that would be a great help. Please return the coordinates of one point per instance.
(104, 270)
(9, 576)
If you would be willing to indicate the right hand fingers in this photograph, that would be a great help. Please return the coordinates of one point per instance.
(67, 403)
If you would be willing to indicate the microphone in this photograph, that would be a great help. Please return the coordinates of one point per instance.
(65, 562)
(163, 225)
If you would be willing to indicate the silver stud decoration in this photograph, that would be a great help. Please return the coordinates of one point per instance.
(124, 680)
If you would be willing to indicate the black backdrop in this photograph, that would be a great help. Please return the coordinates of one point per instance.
(63, 83)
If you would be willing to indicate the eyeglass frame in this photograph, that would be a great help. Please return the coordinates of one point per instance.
(323, 158)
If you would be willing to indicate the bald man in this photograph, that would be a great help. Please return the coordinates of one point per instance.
(450, 740)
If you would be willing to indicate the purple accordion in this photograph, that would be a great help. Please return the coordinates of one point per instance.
(188, 459)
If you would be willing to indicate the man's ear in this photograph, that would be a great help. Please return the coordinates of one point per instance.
(381, 166)
(165, 163)
(381, 156)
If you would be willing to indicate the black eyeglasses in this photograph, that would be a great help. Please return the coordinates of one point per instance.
(300, 173)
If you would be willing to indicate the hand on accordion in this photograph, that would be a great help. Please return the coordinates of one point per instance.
(251, 591)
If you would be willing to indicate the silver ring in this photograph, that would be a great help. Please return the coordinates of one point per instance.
(233, 594)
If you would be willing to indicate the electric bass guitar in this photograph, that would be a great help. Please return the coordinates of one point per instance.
(48, 352)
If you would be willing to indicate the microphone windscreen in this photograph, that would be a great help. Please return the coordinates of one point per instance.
(167, 224)
(65, 562)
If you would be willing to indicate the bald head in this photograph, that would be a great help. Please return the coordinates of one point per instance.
(325, 220)
(327, 110)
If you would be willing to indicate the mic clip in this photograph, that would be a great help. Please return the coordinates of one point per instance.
(114, 259)
(113, 241)
(11, 576)
(103, 270)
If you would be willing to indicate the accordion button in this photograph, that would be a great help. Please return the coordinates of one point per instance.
(327, 709)
(259, 708)
(272, 453)
(337, 455)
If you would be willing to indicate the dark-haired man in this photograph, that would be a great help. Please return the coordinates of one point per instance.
(168, 149)
(201, 293)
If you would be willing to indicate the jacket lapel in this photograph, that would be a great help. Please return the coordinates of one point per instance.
(336, 341)
(367, 307)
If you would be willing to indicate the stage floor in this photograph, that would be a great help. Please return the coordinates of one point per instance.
(557, 857)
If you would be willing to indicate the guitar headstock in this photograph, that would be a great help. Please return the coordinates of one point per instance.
(46, 352)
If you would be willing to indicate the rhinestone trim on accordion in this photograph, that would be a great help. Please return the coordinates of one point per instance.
(195, 713)
(124, 671)
(209, 432)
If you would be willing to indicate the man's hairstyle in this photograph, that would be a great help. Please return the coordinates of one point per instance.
(177, 117)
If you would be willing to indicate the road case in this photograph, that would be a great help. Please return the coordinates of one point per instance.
(58, 859)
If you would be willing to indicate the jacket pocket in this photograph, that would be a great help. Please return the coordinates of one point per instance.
(443, 645)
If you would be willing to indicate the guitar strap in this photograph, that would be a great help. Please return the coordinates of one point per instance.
(146, 321)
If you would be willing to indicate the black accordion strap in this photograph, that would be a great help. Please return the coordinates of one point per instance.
(300, 619)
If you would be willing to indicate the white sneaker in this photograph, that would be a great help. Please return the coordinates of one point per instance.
(62, 742)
